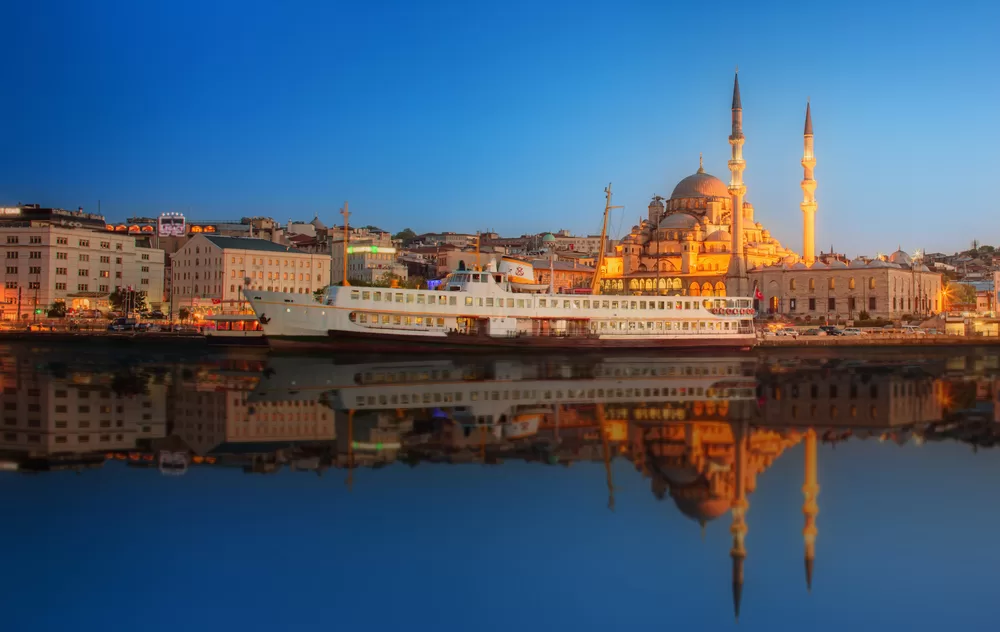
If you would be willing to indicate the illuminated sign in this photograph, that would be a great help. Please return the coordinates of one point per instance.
(372, 249)
(10, 210)
(171, 225)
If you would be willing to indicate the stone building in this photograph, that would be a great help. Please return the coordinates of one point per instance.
(882, 288)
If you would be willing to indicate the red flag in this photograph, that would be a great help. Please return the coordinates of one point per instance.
(757, 293)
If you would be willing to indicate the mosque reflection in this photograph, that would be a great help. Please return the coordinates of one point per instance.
(702, 430)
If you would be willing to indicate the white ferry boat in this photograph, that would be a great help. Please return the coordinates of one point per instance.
(493, 308)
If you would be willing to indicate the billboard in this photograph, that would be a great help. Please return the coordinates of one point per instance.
(171, 225)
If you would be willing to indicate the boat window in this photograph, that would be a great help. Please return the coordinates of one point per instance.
(633, 305)
(420, 320)
(565, 304)
(605, 304)
(614, 304)
(483, 278)
(520, 302)
(377, 296)
(409, 298)
(489, 302)
(480, 302)
(642, 304)
(442, 300)
(576, 304)
(396, 320)
(366, 296)
(452, 300)
(661, 305)
(685, 326)
(510, 302)
(355, 294)
(385, 319)
(420, 299)
(399, 297)
(440, 322)
(468, 301)
(363, 318)
(541, 302)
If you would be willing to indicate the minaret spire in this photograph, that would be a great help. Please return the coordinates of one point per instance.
(808, 204)
(736, 278)
(810, 508)
(738, 553)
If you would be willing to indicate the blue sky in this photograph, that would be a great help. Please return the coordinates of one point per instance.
(511, 116)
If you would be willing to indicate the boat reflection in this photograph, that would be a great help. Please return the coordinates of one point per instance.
(701, 430)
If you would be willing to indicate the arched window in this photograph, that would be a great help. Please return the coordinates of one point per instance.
(812, 285)
(850, 283)
(720, 289)
(832, 284)
(694, 290)
(791, 284)
(871, 283)
(706, 289)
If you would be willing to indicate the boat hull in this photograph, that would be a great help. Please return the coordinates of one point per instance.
(391, 343)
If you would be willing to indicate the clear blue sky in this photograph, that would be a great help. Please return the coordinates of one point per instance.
(511, 116)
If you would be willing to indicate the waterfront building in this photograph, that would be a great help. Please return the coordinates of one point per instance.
(564, 275)
(371, 256)
(53, 255)
(210, 272)
(45, 414)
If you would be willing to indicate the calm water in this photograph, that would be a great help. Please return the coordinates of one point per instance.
(245, 492)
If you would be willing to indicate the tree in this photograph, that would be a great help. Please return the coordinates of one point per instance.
(318, 294)
(406, 236)
(122, 299)
(58, 310)
(183, 313)
(961, 293)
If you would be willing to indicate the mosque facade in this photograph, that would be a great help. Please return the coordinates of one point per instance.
(694, 244)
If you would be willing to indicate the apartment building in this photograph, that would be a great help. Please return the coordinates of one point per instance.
(50, 255)
(210, 272)
(369, 259)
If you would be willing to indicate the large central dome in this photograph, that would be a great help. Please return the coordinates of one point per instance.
(700, 184)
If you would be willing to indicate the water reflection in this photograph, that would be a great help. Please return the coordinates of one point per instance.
(702, 430)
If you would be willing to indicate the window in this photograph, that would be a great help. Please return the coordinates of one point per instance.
(61, 271)
(812, 305)
(851, 305)
(85, 243)
(791, 305)
(871, 303)
(35, 254)
(62, 255)
(105, 259)
(62, 241)
(11, 254)
(11, 239)
(791, 284)
(83, 272)
(145, 268)
(850, 283)
(812, 285)
(102, 288)
(35, 270)
(871, 283)
(11, 270)
(60, 286)
(34, 285)
(84, 257)
(105, 274)
(11, 285)
(106, 245)
(831, 284)
(82, 287)
(34, 240)
(831, 304)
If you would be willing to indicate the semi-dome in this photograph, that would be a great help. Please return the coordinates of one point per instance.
(900, 257)
(700, 184)
(720, 235)
(837, 263)
(678, 220)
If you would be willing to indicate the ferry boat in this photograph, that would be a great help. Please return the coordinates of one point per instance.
(234, 330)
(481, 309)
(501, 307)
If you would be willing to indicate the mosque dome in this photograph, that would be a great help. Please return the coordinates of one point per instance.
(900, 257)
(858, 262)
(819, 265)
(702, 509)
(837, 263)
(720, 235)
(679, 220)
(548, 238)
(318, 223)
(700, 184)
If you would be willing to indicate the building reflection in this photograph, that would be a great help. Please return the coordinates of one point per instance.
(702, 430)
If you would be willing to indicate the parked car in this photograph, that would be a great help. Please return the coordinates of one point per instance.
(156, 315)
(852, 331)
(912, 329)
(832, 330)
(814, 332)
(123, 324)
(787, 331)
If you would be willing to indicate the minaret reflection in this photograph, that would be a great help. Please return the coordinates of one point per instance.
(738, 553)
(810, 508)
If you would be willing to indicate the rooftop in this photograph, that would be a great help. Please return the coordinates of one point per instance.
(249, 243)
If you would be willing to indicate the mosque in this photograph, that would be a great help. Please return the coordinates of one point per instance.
(705, 241)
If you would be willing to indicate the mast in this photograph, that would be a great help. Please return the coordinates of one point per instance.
(607, 460)
(478, 267)
(346, 213)
(595, 285)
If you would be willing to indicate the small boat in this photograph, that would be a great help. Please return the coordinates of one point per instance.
(234, 330)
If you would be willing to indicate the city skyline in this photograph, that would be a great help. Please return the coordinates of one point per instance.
(510, 120)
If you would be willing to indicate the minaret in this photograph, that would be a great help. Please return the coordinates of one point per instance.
(808, 204)
(739, 512)
(810, 489)
(736, 278)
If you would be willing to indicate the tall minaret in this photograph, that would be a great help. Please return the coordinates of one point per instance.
(808, 193)
(739, 513)
(736, 278)
(810, 508)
